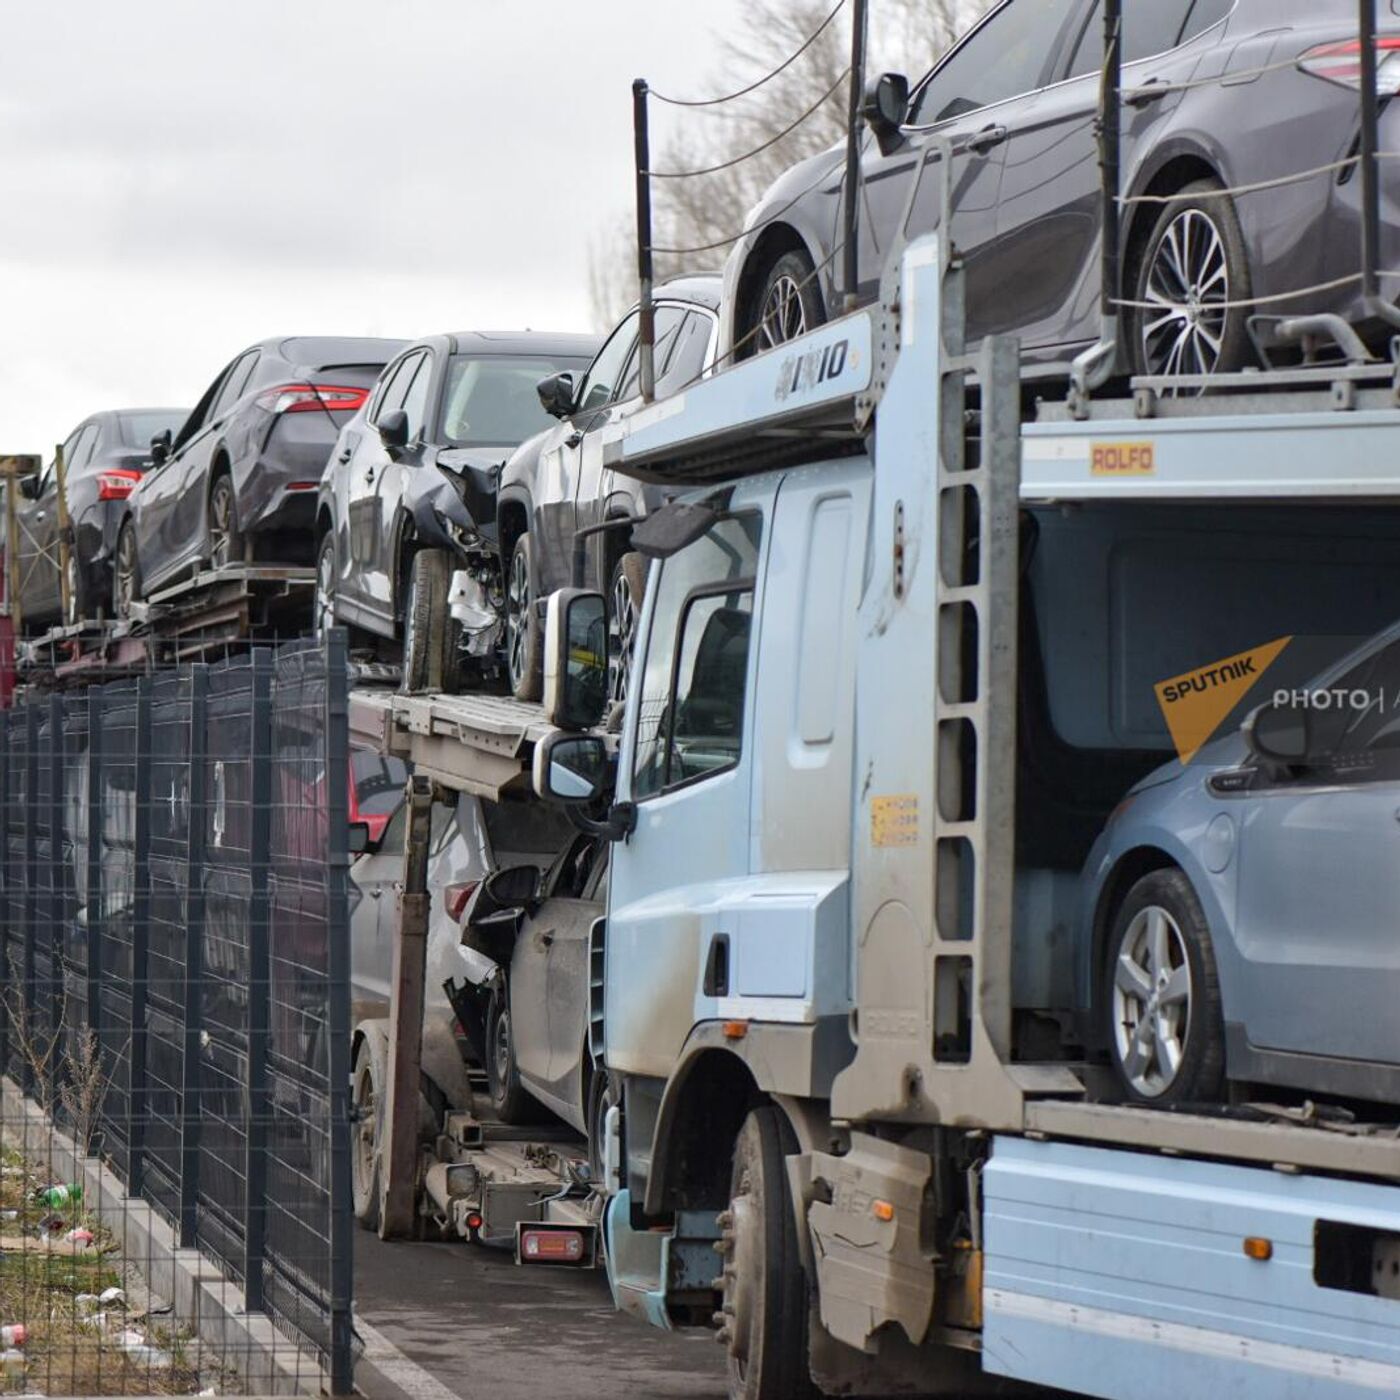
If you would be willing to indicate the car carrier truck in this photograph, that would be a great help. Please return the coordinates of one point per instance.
(863, 1127)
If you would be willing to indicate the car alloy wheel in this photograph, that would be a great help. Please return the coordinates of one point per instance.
(73, 611)
(783, 316)
(1188, 295)
(324, 618)
(124, 574)
(627, 584)
(223, 534)
(1151, 1001)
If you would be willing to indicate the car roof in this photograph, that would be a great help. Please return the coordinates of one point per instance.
(703, 288)
(319, 350)
(523, 343)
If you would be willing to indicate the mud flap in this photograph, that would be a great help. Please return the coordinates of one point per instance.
(871, 1265)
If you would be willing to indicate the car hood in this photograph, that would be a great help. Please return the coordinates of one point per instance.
(520, 464)
(1226, 752)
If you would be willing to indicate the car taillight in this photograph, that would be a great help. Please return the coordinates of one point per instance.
(455, 897)
(1341, 63)
(116, 484)
(312, 398)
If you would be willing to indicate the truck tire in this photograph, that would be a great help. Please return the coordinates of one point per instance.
(764, 1319)
(431, 644)
(508, 1097)
(366, 1168)
(524, 639)
(1161, 1002)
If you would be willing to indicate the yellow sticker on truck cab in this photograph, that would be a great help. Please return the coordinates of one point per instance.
(1122, 459)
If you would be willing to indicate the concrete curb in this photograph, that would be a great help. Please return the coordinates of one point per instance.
(200, 1296)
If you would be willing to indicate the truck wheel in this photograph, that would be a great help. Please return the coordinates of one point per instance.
(508, 1097)
(524, 643)
(365, 1168)
(764, 1319)
(431, 645)
(1162, 1002)
(625, 593)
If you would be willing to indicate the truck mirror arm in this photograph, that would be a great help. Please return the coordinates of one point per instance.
(616, 823)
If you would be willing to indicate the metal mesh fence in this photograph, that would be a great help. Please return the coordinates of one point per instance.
(174, 1026)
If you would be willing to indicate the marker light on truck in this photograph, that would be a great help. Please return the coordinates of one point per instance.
(116, 484)
(551, 1246)
(1341, 63)
(312, 398)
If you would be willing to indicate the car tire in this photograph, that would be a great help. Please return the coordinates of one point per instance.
(626, 589)
(126, 574)
(79, 603)
(225, 538)
(431, 640)
(508, 1097)
(323, 618)
(604, 1091)
(366, 1162)
(788, 304)
(1194, 257)
(1161, 995)
(764, 1313)
(524, 635)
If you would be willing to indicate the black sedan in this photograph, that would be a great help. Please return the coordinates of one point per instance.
(104, 458)
(406, 514)
(1218, 94)
(238, 482)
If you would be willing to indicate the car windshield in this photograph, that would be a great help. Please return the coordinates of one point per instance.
(490, 401)
(137, 429)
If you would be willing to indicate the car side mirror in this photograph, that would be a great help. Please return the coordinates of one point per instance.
(393, 430)
(29, 487)
(357, 843)
(160, 447)
(573, 769)
(556, 393)
(1279, 734)
(575, 659)
(885, 107)
(515, 887)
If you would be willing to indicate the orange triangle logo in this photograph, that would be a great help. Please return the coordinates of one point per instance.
(1195, 704)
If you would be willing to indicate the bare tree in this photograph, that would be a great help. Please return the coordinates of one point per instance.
(905, 35)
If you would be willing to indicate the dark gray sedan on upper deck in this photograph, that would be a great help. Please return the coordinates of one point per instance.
(1218, 94)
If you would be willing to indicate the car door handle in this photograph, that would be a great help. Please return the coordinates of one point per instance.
(1153, 90)
(987, 139)
(345, 456)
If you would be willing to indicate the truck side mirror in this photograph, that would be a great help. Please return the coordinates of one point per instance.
(575, 659)
(1279, 734)
(571, 768)
(885, 107)
(160, 448)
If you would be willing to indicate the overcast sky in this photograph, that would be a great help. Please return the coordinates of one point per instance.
(183, 177)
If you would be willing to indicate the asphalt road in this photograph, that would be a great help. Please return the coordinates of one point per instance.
(483, 1327)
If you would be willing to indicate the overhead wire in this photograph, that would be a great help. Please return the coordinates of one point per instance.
(767, 77)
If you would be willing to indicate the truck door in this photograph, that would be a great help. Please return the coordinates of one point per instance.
(686, 762)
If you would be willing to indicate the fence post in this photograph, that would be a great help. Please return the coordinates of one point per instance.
(191, 1058)
(259, 979)
(140, 938)
(59, 872)
(342, 1281)
(31, 885)
(7, 885)
(92, 876)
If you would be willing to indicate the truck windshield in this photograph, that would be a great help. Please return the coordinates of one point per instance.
(690, 716)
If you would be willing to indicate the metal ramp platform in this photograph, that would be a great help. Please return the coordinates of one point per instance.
(481, 744)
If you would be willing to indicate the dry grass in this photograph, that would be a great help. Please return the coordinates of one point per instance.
(73, 1348)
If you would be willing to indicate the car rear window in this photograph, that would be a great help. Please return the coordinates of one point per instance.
(490, 401)
(323, 351)
(137, 429)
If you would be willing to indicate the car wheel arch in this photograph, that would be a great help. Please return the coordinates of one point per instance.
(1174, 166)
(775, 240)
(513, 519)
